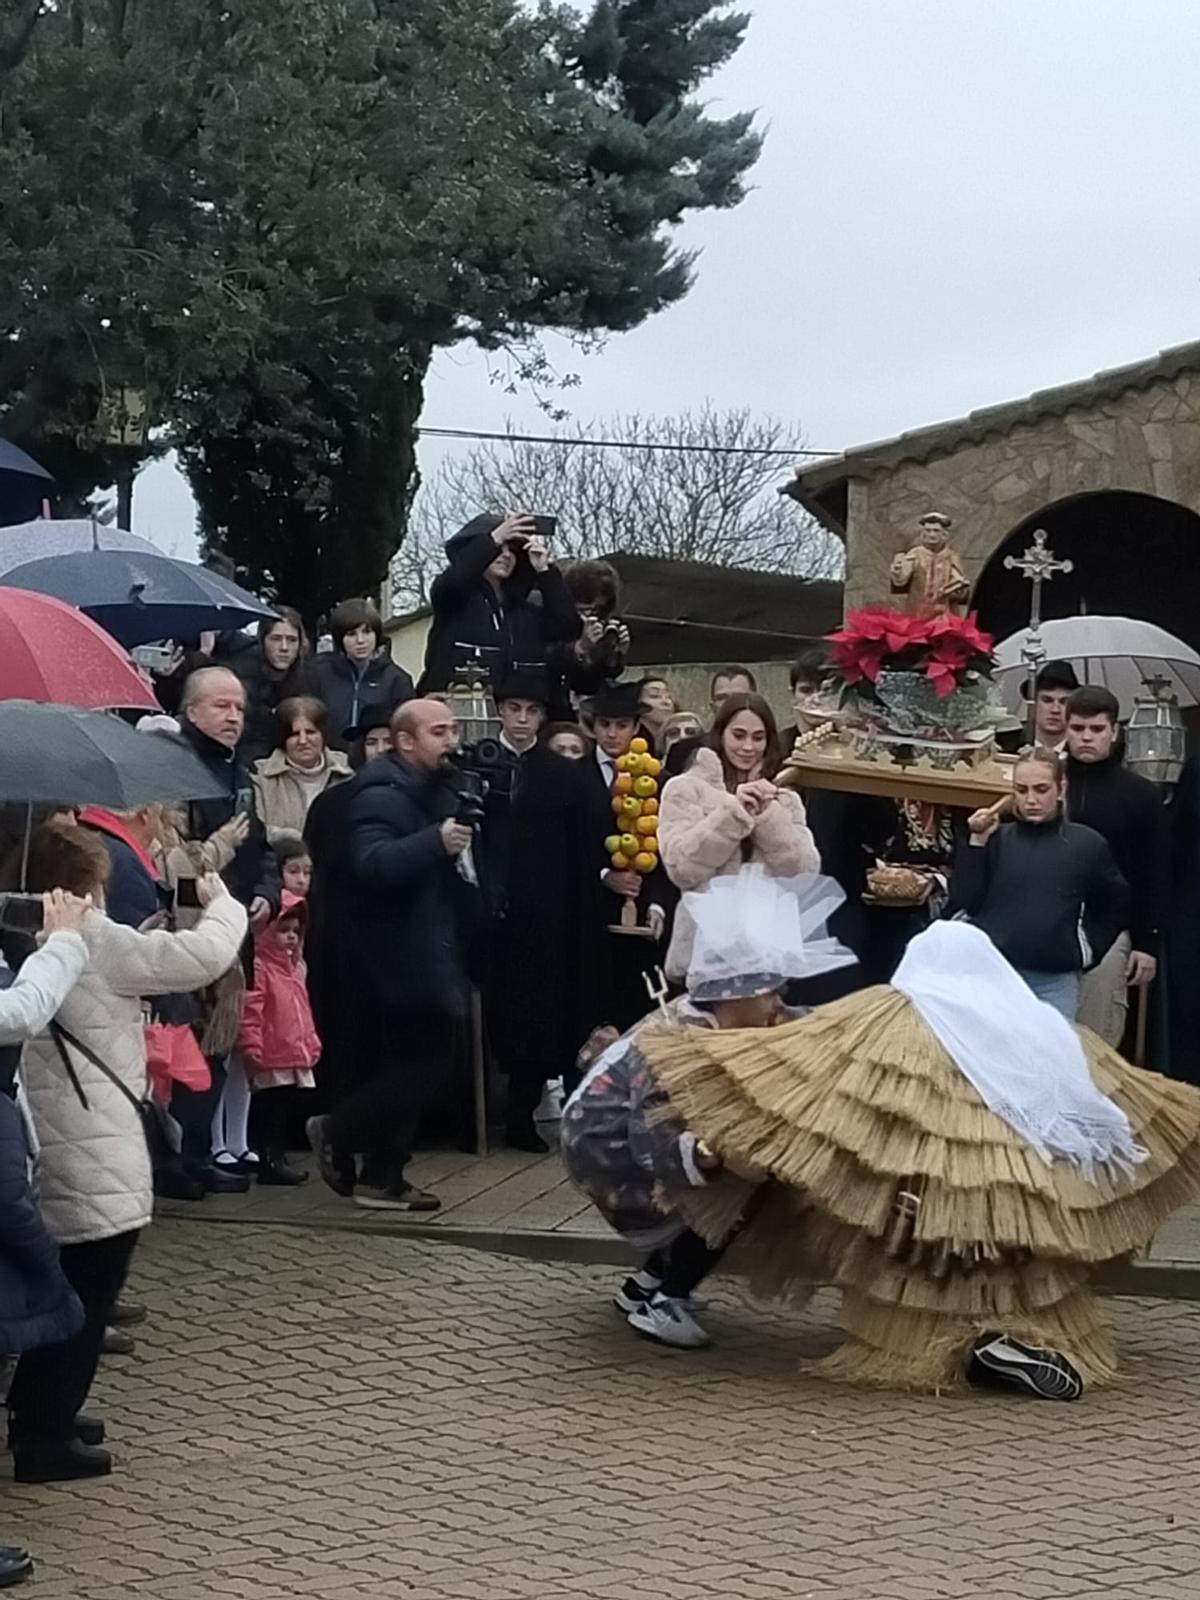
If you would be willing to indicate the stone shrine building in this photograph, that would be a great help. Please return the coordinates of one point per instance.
(1109, 467)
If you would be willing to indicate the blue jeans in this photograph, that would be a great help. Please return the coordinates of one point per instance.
(1057, 989)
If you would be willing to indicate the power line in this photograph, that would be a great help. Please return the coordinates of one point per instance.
(621, 444)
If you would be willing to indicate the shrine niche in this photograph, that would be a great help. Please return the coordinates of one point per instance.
(1108, 467)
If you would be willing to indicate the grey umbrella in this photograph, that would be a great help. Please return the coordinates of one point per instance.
(56, 755)
(32, 541)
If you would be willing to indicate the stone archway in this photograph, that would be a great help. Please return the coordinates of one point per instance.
(1135, 555)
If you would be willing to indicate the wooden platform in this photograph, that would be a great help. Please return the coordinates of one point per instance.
(968, 787)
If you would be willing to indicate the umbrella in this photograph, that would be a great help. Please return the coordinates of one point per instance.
(30, 541)
(1119, 653)
(139, 597)
(22, 482)
(56, 755)
(51, 653)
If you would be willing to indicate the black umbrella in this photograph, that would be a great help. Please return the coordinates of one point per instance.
(23, 484)
(55, 755)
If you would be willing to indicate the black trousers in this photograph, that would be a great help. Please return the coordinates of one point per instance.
(378, 1120)
(51, 1384)
(193, 1110)
(683, 1264)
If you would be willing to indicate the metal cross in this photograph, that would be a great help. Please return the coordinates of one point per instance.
(1039, 564)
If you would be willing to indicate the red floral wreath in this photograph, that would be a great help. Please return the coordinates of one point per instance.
(945, 648)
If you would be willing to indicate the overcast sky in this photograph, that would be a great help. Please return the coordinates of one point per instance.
(958, 203)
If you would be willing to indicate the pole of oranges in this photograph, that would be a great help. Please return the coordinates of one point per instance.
(635, 847)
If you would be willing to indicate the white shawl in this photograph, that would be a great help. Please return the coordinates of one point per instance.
(1023, 1058)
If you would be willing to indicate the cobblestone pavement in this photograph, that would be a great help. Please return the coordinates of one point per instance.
(347, 1418)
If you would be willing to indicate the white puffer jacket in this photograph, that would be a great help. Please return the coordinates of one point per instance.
(94, 1168)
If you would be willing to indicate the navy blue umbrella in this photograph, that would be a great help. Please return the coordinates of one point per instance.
(140, 598)
(23, 484)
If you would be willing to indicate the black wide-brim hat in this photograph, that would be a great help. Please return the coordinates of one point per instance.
(524, 685)
(618, 700)
(373, 717)
(1054, 675)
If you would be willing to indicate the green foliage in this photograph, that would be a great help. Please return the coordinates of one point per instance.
(268, 218)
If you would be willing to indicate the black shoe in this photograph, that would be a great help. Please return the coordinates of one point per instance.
(526, 1137)
(88, 1430)
(117, 1342)
(56, 1462)
(217, 1182)
(337, 1170)
(278, 1175)
(998, 1360)
(244, 1166)
(396, 1197)
(15, 1565)
(127, 1314)
(172, 1184)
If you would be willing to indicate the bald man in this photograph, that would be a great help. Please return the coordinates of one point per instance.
(396, 921)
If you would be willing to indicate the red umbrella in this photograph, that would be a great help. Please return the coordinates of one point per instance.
(53, 653)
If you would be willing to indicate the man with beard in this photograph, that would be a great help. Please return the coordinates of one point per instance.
(398, 920)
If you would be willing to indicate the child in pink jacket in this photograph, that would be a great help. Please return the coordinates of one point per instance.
(278, 1041)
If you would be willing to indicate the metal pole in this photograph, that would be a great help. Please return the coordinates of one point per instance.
(478, 1075)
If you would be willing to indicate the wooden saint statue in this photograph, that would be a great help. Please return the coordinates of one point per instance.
(930, 575)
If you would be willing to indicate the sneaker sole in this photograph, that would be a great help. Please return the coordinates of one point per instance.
(369, 1203)
(1043, 1373)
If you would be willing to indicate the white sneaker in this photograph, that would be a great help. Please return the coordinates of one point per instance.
(670, 1322)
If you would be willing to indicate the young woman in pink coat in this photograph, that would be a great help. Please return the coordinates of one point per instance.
(725, 811)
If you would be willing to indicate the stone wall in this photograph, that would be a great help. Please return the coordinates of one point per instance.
(1146, 441)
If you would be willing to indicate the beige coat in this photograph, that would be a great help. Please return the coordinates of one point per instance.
(282, 801)
(94, 1167)
(701, 827)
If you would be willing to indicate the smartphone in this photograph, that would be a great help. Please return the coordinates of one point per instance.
(187, 894)
(21, 913)
(545, 527)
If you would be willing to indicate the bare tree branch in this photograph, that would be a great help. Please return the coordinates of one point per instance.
(715, 501)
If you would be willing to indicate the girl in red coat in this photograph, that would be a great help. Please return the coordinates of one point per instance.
(278, 1041)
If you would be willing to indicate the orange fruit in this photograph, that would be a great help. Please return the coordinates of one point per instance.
(639, 747)
(631, 807)
(646, 824)
(644, 787)
(613, 843)
(618, 804)
(644, 861)
(621, 863)
(629, 845)
(623, 784)
(650, 807)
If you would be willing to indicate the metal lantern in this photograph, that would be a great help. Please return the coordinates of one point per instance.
(469, 697)
(1155, 738)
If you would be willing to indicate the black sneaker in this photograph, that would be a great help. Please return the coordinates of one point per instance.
(278, 1175)
(396, 1197)
(998, 1360)
(338, 1171)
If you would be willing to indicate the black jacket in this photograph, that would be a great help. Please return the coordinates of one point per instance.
(1048, 895)
(400, 916)
(266, 688)
(348, 694)
(253, 872)
(1127, 811)
(37, 1304)
(510, 630)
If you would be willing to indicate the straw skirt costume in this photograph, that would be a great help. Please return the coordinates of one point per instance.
(944, 1205)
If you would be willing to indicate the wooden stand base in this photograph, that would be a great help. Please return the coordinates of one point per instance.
(629, 924)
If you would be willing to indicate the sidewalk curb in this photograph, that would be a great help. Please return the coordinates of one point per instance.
(1146, 1279)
